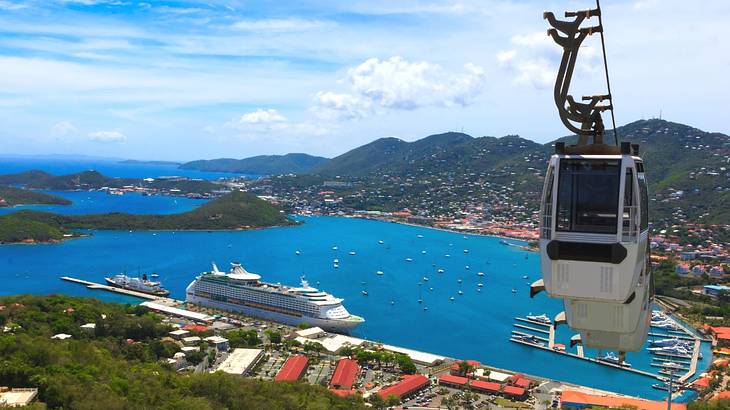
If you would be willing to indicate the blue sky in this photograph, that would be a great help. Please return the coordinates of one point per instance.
(183, 80)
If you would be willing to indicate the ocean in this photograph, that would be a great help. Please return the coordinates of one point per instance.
(475, 325)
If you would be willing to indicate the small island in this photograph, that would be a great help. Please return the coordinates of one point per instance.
(10, 196)
(236, 210)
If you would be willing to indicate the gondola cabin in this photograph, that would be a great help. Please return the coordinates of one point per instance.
(594, 223)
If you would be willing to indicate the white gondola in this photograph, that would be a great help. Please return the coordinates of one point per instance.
(594, 225)
(593, 222)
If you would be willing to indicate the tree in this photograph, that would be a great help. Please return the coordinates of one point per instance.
(392, 400)
(465, 368)
(274, 336)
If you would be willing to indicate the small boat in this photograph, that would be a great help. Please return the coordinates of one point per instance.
(452, 299)
(409, 260)
(440, 271)
(154, 275)
(423, 252)
(419, 236)
(381, 242)
(137, 284)
(364, 292)
(525, 277)
(467, 267)
(335, 261)
(479, 285)
(392, 302)
(661, 386)
(479, 289)
(425, 279)
(460, 292)
(420, 300)
(425, 308)
(379, 273)
(514, 290)
(352, 252)
(447, 255)
(503, 242)
(334, 248)
(430, 289)
(459, 280)
(298, 253)
(480, 273)
(466, 250)
(540, 318)
(336, 266)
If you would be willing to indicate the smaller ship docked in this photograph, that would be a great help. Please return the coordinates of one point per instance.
(142, 284)
(540, 318)
(613, 359)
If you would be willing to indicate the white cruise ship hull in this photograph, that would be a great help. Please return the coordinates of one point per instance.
(330, 325)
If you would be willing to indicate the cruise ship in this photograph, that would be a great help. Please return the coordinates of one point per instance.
(243, 291)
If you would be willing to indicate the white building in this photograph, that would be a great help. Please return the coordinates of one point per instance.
(240, 361)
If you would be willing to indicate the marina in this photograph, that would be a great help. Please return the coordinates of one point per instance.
(272, 251)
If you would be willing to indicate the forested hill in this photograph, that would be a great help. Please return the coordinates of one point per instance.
(687, 168)
(10, 196)
(259, 165)
(236, 210)
(121, 364)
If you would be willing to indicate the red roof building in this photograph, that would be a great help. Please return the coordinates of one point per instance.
(725, 395)
(452, 380)
(455, 370)
(487, 387)
(701, 383)
(292, 369)
(195, 328)
(409, 384)
(577, 400)
(514, 391)
(345, 374)
(524, 383)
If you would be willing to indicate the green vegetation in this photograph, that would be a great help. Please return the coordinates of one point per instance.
(236, 210)
(260, 165)
(709, 405)
(502, 402)
(243, 338)
(121, 366)
(10, 196)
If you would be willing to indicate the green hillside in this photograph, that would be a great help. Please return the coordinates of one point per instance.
(121, 365)
(677, 157)
(259, 165)
(237, 210)
(10, 196)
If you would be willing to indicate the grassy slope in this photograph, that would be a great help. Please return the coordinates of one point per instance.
(17, 196)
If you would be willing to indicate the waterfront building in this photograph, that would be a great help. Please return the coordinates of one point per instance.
(219, 343)
(240, 361)
(407, 386)
(345, 374)
(575, 400)
(292, 369)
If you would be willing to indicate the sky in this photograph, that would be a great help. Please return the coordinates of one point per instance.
(185, 80)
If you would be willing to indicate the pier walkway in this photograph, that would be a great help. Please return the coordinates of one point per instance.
(99, 286)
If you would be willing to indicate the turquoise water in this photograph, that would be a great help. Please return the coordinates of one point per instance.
(112, 168)
(95, 202)
(476, 325)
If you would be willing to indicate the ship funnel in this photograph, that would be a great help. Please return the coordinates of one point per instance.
(215, 269)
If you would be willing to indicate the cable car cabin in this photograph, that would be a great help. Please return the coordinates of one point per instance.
(611, 317)
(594, 224)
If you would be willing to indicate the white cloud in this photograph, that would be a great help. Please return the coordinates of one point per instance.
(262, 116)
(107, 136)
(397, 84)
(288, 24)
(63, 128)
(268, 121)
(645, 4)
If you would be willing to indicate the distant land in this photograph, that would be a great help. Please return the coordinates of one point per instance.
(36, 179)
(260, 165)
(233, 211)
(142, 162)
(11, 196)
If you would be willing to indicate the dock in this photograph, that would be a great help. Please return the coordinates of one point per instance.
(665, 336)
(693, 364)
(575, 356)
(99, 286)
(519, 326)
(542, 339)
